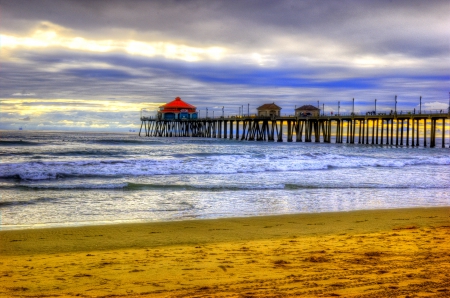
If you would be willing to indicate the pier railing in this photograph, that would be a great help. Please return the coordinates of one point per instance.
(399, 129)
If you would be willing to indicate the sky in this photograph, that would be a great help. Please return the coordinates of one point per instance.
(95, 65)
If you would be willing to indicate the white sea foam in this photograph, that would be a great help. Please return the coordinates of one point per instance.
(228, 164)
(76, 178)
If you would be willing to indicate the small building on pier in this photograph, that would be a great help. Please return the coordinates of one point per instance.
(176, 110)
(269, 110)
(307, 110)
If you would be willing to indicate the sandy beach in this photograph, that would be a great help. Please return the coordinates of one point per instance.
(379, 253)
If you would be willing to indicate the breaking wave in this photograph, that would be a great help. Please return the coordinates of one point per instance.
(181, 164)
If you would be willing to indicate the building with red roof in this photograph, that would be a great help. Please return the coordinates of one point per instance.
(177, 109)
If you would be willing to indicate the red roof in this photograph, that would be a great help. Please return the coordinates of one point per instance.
(177, 104)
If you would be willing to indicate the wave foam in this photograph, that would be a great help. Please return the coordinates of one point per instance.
(222, 164)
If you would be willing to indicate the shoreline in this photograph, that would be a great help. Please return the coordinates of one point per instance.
(365, 253)
(208, 225)
(4, 228)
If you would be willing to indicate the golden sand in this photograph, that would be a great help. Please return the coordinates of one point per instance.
(381, 253)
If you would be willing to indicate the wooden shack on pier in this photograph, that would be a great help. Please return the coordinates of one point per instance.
(269, 110)
(307, 110)
(177, 110)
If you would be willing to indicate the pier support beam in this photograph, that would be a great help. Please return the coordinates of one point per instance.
(289, 136)
(382, 129)
(443, 132)
(401, 133)
(425, 132)
(280, 133)
(407, 132)
(231, 129)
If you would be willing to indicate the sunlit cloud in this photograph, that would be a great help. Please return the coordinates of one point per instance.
(391, 61)
(263, 60)
(23, 93)
(73, 114)
(174, 51)
(46, 39)
(80, 43)
(39, 107)
(434, 106)
(50, 38)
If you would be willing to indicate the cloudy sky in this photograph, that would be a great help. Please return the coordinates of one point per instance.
(93, 65)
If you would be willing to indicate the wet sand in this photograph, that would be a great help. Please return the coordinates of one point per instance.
(379, 253)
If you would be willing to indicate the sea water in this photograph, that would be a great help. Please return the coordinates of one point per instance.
(50, 179)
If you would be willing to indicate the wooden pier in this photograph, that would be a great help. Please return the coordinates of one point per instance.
(398, 130)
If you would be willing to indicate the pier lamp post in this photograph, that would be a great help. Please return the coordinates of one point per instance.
(395, 108)
(339, 106)
(239, 114)
(420, 105)
(353, 107)
(242, 109)
(375, 106)
(223, 112)
(206, 112)
(323, 109)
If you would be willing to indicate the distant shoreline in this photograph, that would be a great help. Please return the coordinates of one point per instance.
(130, 222)
(207, 225)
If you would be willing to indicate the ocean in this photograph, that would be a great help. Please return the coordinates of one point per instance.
(52, 179)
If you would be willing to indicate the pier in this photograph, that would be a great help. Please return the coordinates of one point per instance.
(416, 130)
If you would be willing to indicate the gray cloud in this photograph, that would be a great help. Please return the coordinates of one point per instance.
(159, 80)
(328, 51)
(414, 27)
